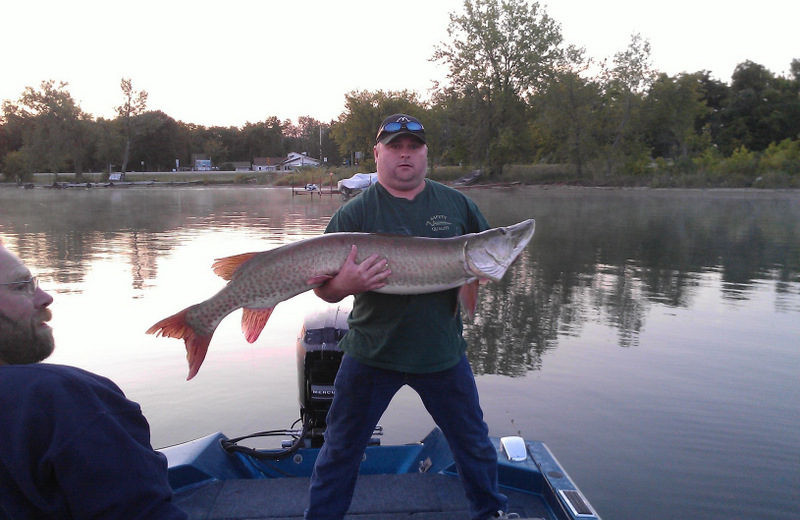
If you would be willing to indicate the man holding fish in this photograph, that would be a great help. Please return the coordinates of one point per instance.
(408, 248)
(399, 339)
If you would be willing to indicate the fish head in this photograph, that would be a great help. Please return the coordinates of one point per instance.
(490, 253)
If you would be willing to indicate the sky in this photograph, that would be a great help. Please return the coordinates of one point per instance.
(229, 62)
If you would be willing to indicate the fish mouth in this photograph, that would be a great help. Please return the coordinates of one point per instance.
(520, 234)
(490, 253)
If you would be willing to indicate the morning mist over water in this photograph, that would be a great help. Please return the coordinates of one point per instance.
(650, 337)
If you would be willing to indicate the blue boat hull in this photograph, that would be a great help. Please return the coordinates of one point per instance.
(398, 481)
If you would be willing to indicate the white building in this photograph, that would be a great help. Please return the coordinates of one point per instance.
(296, 160)
(266, 164)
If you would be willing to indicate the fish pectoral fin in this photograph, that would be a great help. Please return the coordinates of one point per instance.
(226, 267)
(319, 279)
(253, 322)
(468, 295)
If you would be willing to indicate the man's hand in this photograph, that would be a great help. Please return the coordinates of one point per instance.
(355, 278)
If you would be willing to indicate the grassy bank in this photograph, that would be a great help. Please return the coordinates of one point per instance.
(318, 176)
(656, 175)
(778, 166)
(215, 177)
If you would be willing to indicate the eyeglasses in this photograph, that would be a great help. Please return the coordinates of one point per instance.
(28, 286)
(411, 126)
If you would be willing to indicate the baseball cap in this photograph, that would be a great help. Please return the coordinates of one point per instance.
(399, 124)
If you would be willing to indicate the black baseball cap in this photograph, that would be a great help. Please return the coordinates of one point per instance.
(400, 124)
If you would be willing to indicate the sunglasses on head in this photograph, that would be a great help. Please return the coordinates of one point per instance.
(411, 126)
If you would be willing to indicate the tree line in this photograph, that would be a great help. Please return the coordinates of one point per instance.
(516, 94)
(46, 131)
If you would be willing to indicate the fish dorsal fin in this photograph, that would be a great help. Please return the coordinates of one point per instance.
(253, 322)
(226, 267)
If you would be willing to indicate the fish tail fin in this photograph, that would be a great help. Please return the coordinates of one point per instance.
(226, 267)
(253, 322)
(175, 326)
(468, 295)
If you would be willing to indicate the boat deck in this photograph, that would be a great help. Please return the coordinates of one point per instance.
(412, 481)
(421, 496)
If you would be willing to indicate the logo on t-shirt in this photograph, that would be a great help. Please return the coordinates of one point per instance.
(438, 223)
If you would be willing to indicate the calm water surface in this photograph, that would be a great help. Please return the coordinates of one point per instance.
(651, 338)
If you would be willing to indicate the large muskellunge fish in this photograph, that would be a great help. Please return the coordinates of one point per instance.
(259, 281)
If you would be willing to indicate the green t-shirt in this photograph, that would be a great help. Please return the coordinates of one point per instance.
(408, 333)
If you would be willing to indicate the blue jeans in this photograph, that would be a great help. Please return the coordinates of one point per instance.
(362, 395)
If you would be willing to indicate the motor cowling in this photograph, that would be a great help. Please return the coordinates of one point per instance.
(318, 359)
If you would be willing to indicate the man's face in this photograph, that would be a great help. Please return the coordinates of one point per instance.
(402, 165)
(25, 336)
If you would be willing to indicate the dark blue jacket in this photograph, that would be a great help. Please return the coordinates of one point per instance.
(72, 446)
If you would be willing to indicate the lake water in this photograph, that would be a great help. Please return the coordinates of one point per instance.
(651, 338)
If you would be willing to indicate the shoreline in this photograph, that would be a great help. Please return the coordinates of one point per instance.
(556, 188)
(273, 180)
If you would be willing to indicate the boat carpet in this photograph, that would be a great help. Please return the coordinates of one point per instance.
(416, 496)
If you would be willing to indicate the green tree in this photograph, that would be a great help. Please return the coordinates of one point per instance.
(188, 139)
(156, 144)
(624, 84)
(264, 139)
(499, 53)
(109, 144)
(714, 95)
(761, 108)
(451, 119)
(54, 129)
(567, 112)
(215, 149)
(133, 104)
(354, 132)
(11, 129)
(16, 167)
(671, 111)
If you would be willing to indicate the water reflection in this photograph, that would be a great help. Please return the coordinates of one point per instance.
(607, 257)
(597, 256)
(651, 336)
(61, 234)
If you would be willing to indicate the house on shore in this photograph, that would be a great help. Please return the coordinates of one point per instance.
(266, 164)
(201, 163)
(241, 166)
(296, 160)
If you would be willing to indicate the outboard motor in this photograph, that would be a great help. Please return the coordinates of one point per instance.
(318, 359)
